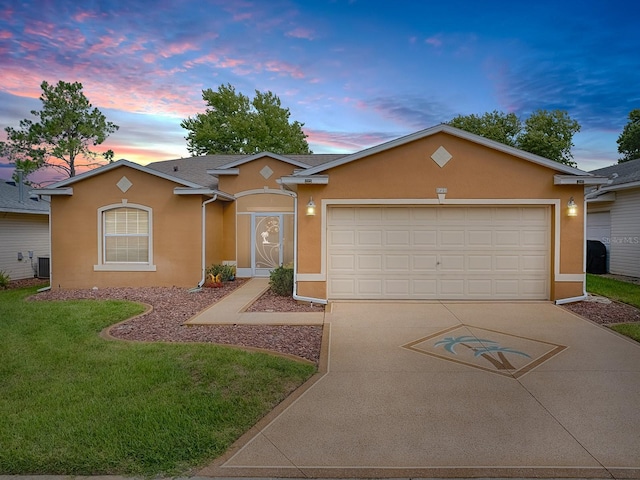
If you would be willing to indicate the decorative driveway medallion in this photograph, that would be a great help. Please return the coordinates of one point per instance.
(489, 350)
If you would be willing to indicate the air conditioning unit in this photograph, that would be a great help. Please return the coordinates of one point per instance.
(44, 265)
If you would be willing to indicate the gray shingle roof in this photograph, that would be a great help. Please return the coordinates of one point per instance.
(620, 173)
(10, 200)
(194, 169)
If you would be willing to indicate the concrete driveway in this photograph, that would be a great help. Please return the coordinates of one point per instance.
(455, 389)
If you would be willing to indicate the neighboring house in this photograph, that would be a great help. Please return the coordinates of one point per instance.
(439, 214)
(24, 232)
(613, 216)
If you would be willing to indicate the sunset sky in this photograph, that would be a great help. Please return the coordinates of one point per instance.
(355, 72)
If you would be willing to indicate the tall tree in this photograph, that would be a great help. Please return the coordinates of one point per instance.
(67, 127)
(234, 124)
(498, 126)
(545, 133)
(629, 139)
(550, 135)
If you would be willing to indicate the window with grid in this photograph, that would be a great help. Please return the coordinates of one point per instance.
(126, 235)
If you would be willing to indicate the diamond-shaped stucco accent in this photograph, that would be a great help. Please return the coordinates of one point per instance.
(124, 184)
(266, 172)
(441, 156)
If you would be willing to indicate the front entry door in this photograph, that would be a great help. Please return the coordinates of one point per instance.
(266, 238)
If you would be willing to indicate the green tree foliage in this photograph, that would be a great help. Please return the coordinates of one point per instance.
(498, 126)
(629, 139)
(66, 128)
(545, 133)
(234, 124)
(550, 135)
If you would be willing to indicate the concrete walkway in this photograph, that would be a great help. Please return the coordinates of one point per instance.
(231, 310)
(455, 390)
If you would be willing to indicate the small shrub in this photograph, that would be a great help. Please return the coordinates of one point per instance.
(226, 272)
(281, 281)
(4, 279)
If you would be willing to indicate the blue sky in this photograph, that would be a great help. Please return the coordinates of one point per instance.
(355, 72)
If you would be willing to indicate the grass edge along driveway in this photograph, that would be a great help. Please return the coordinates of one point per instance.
(73, 403)
(619, 291)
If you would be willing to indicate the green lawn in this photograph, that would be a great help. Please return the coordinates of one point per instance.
(631, 330)
(622, 292)
(614, 289)
(73, 403)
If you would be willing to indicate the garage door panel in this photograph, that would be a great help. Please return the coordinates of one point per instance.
(343, 216)
(507, 263)
(534, 238)
(451, 263)
(534, 263)
(452, 214)
(425, 288)
(397, 286)
(369, 237)
(452, 287)
(342, 262)
(398, 237)
(452, 237)
(370, 286)
(342, 287)
(369, 215)
(424, 215)
(533, 288)
(400, 215)
(480, 238)
(507, 238)
(370, 263)
(507, 287)
(425, 238)
(397, 263)
(342, 238)
(479, 287)
(424, 263)
(439, 253)
(479, 263)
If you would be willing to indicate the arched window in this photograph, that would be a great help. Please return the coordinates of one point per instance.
(125, 238)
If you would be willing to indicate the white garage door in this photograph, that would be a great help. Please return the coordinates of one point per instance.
(438, 252)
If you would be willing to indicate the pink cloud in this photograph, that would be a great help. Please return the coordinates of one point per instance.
(300, 32)
(105, 43)
(341, 142)
(149, 57)
(283, 68)
(82, 16)
(178, 49)
(5, 34)
(60, 37)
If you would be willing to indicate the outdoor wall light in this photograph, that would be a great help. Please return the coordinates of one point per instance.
(572, 208)
(311, 208)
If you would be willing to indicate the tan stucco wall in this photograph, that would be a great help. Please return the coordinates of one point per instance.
(250, 177)
(474, 172)
(176, 232)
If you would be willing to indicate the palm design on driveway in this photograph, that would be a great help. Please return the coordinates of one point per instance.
(484, 347)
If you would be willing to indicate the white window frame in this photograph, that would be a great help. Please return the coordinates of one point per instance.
(103, 266)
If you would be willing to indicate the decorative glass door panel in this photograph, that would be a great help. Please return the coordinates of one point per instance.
(267, 237)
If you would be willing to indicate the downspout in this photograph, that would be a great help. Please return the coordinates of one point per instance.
(204, 237)
(295, 262)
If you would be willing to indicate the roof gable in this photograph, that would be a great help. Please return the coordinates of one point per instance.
(257, 156)
(117, 164)
(451, 131)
